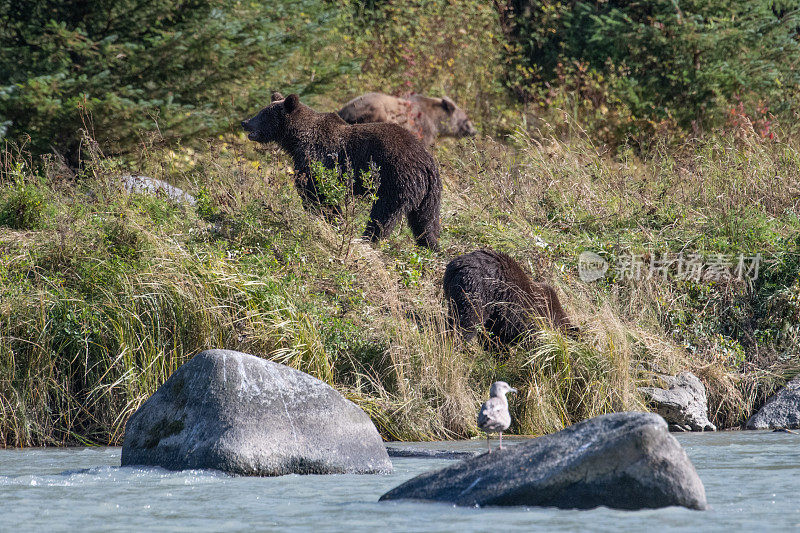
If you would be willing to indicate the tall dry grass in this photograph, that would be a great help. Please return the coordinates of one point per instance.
(111, 292)
(545, 199)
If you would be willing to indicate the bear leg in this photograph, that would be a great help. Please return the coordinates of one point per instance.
(313, 201)
(383, 217)
(426, 232)
(548, 305)
(424, 221)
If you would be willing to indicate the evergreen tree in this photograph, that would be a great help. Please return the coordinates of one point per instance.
(117, 67)
(683, 59)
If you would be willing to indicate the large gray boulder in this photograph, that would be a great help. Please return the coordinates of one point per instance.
(782, 411)
(244, 415)
(147, 185)
(621, 460)
(683, 405)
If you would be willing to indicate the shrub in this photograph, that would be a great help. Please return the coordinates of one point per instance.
(22, 202)
(664, 60)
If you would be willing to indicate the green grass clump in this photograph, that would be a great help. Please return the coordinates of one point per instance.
(23, 202)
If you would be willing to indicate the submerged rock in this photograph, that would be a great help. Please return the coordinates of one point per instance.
(429, 454)
(148, 185)
(683, 405)
(244, 415)
(782, 411)
(621, 460)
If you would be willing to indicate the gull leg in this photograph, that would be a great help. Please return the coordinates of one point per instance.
(501, 440)
(488, 444)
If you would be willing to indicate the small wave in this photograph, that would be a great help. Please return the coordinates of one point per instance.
(104, 474)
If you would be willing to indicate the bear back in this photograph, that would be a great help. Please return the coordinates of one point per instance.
(488, 288)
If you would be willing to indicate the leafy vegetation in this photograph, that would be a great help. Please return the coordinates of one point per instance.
(104, 293)
(181, 67)
(686, 62)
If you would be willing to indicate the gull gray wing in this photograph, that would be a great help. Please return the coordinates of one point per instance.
(494, 416)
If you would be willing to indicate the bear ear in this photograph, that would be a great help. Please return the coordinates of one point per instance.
(448, 105)
(276, 96)
(291, 103)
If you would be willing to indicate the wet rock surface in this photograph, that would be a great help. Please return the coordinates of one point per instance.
(244, 415)
(429, 454)
(621, 460)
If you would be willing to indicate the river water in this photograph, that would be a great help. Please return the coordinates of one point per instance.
(752, 481)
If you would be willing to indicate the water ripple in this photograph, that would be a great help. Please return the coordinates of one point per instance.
(750, 479)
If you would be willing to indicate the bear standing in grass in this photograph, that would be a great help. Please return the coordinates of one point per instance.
(489, 288)
(425, 117)
(408, 182)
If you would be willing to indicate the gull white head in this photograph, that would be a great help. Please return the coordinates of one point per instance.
(500, 388)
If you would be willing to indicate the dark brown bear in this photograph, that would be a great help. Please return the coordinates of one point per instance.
(489, 288)
(408, 184)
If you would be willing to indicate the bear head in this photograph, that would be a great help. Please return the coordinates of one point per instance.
(455, 122)
(269, 124)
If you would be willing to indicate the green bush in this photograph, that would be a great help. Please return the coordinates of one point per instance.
(22, 206)
(689, 62)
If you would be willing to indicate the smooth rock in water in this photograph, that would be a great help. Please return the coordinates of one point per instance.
(782, 411)
(244, 415)
(621, 460)
(148, 185)
(684, 404)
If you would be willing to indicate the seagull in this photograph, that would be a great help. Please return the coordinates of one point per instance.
(493, 416)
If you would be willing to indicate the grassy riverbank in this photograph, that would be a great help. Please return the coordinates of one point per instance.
(103, 294)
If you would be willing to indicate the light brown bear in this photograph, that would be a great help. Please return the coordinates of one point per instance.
(423, 116)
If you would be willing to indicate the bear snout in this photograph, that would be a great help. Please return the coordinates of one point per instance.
(469, 130)
(251, 132)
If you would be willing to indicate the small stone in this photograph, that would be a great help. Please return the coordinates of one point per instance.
(153, 186)
(684, 405)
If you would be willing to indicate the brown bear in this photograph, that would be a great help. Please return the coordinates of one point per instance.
(423, 116)
(490, 289)
(408, 182)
